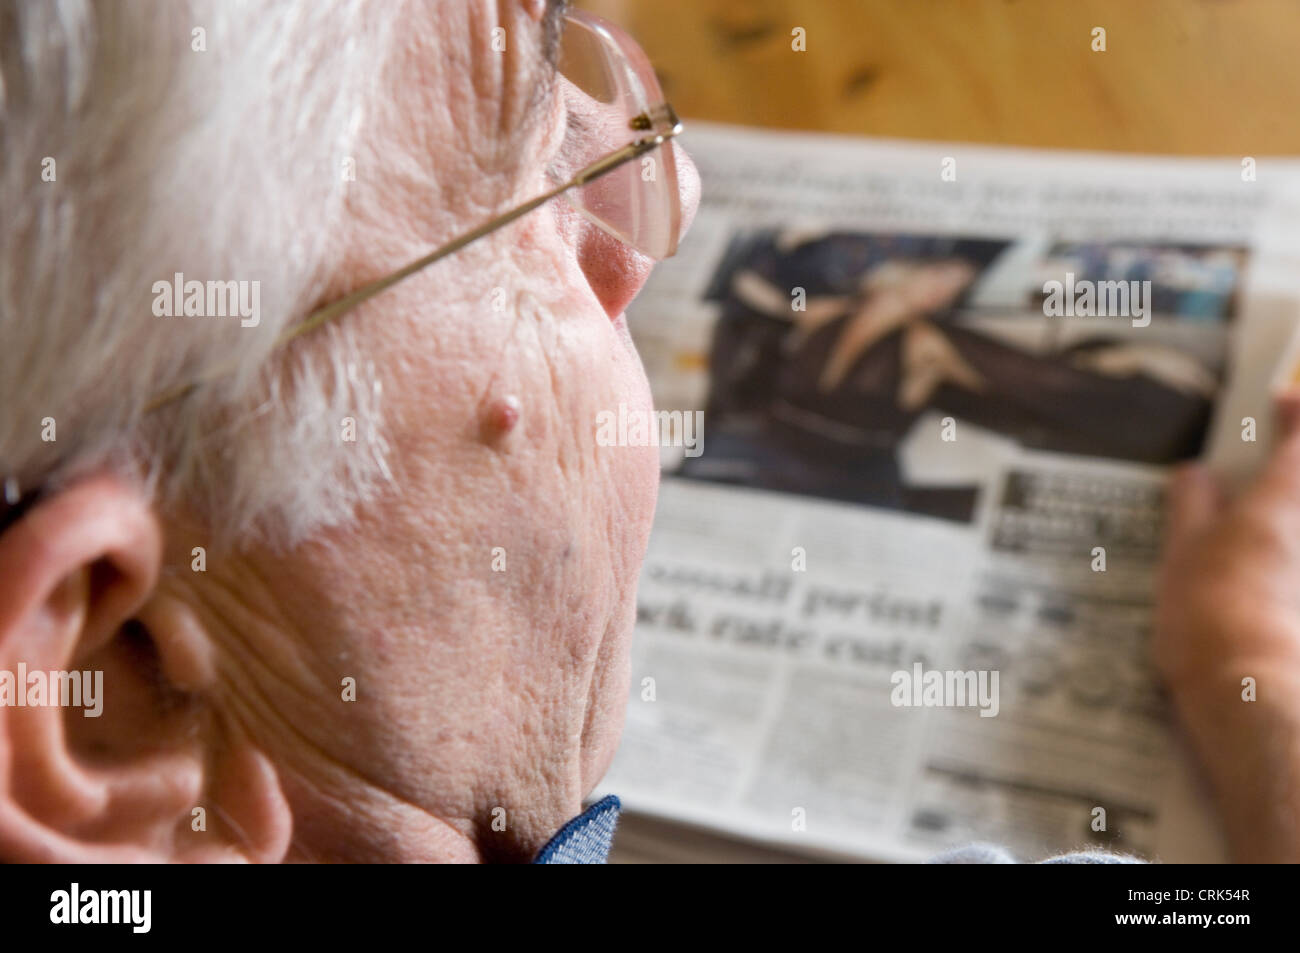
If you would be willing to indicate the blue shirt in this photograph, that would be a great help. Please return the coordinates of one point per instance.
(587, 839)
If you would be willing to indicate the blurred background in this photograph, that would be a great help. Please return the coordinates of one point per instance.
(1178, 77)
(1182, 77)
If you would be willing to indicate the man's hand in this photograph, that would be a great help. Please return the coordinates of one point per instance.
(1229, 611)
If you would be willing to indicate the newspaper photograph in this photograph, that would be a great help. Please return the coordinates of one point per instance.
(899, 590)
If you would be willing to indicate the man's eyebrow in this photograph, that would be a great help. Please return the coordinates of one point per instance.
(552, 29)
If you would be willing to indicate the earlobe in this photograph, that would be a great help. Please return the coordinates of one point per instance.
(248, 798)
(110, 747)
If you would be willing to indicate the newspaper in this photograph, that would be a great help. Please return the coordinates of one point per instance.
(942, 387)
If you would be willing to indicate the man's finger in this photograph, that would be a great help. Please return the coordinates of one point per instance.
(1195, 499)
(1287, 412)
(1282, 472)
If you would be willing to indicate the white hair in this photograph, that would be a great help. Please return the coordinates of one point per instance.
(225, 163)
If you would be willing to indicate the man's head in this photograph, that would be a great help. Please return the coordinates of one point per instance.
(356, 598)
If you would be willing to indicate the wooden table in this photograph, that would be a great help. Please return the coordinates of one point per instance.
(1218, 77)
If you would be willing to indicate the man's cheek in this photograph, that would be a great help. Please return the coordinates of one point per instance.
(641, 480)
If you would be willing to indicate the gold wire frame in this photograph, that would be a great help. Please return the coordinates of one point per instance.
(662, 117)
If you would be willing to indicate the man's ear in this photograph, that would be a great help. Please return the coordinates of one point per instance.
(110, 747)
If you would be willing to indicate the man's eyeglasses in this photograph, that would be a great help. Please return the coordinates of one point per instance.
(611, 90)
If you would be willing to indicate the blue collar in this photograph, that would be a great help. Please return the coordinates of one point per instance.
(586, 839)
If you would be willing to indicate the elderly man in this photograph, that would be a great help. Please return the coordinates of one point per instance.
(364, 595)
(326, 509)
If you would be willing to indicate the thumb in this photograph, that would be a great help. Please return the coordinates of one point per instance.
(1280, 477)
(1287, 411)
(1195, 498)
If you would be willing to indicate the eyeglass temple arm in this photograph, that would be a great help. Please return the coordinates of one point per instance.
(349, 301)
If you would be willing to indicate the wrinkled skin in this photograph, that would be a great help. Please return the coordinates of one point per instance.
(479, 695)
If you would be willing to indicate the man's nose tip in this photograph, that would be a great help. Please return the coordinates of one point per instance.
(688, 187)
